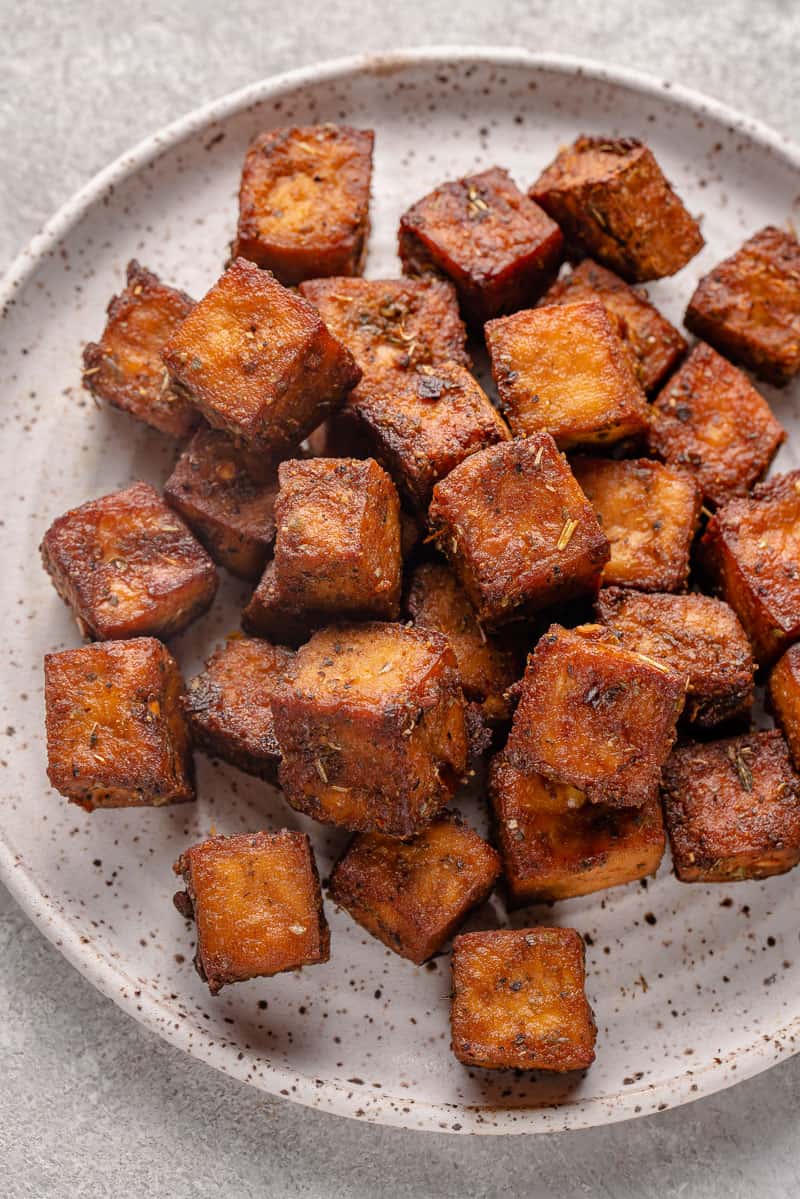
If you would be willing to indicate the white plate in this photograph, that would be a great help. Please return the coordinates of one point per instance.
(694, 988)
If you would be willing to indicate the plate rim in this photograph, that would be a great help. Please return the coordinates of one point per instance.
(108, 976)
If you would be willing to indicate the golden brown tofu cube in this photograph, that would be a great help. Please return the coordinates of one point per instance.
(257, 903)
(555, 845)
(304, 201)
(229, 706)
(258, 360)
(612, 201)
(783, 699)
(710, 420)
(649, 512)
(751, 551)
(226, 493)
(125, 368)
(519, 1000)
(654, 345)
(564, 371)
(698, 636)
(413, 895)
(517, 529)
(596, 716)
(748, 307)
(489, 663)
(116, 737)
(128, 566)
(371, 728)
(498, 248)
(732, 809)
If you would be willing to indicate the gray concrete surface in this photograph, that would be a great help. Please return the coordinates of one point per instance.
(90, 1103)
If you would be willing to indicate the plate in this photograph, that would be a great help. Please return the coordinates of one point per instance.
(694, 988)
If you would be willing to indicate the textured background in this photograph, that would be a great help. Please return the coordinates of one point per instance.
(90, 1103)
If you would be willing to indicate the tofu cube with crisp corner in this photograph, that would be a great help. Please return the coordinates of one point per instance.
(257, 904)
(304, 201)
(564, 371)
(595, 716)
(783, 697)
(699, 636)
(128, 566)
(748, 307)
(517, 529)
(732, 809)
(497, 247)
(258, 361)
(371, 728)
(555, 845)
(125, 369)
(649, 512)
(116, 736)
(519, 1000)
(612, 201)
(413, 895)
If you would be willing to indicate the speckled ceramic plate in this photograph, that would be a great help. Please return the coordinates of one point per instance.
(694, 988)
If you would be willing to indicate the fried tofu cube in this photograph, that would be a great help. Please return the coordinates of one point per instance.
(783, 698)
(519, 1000)
(517, 529)
(748, 307)
(654, 345)
(612, 201)
(128, 566)
(489, 663)
(229, 706)
(710, 420)
(497, 247)
(555, 845)
(413, 895)
(732, 809)
(596, 716)
(751, 551)
(649, 512)
(256, 900)
(698, 636)
(125, 369)
(258, 361)
(304, 201)
(226, 494)
(564, 371)
(116, 736)
(371, 728)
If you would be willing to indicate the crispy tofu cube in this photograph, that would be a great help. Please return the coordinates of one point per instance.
(783, 697)
(256, 900)
(258, 360)
(748, 307)
(564, 371)
(698, 636)
(555, 845)
(489, 663)
(732, 809)
(596, 716)
(229, 707)
(751, 551)
(497, 247)
(413, 895)
(125, 369)
(654, 345)
(710, 420)
(519, 1000)
(612, 201)
(517, 529)
(371, 728)
(649, 512)
(128, 566)
(116, 737)
(304, 201)
(226, 494)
